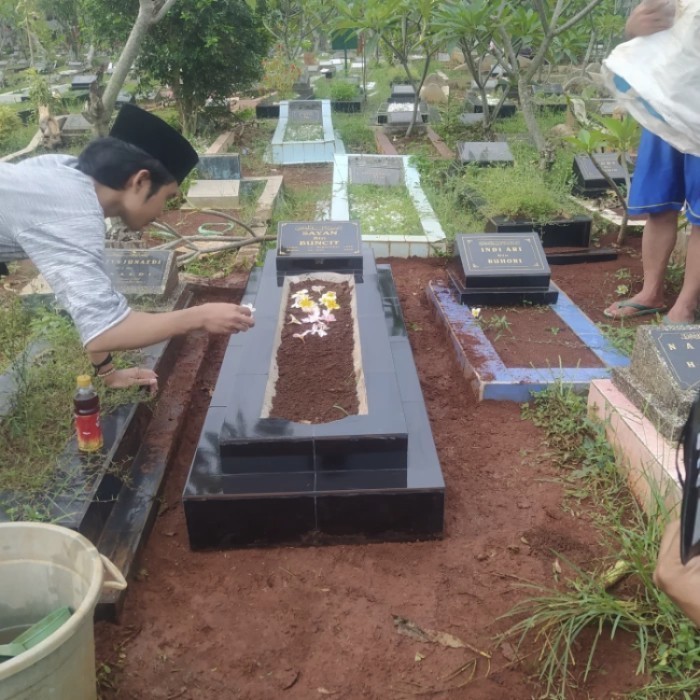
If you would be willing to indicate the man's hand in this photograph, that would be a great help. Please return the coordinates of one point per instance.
(680, 583)
(225, 318)
(133, 376)
(650, 17)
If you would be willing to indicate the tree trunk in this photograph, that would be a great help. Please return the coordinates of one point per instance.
(100, 110)
(528, 110)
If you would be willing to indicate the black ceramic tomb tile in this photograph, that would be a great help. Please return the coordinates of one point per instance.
(361, 452)
(361, 480)
(409, 386)
(207, 485)
(588, 178)
(346, 106)
(484, 152)
(3, 269)
(267, 111)
(494, 260)
(306, 246)
(575, 231)
(225, 523)
(502, 296)
(376, 354)
(224, 166)
(393, 317)
(474, 104)
(383, 515)
(142, 271)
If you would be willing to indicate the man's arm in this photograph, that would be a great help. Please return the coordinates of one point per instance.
(649, 17)
(140, 329)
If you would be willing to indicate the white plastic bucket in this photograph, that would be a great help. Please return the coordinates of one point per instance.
(43, 568)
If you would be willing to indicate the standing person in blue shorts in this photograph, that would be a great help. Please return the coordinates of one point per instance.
(665, 181)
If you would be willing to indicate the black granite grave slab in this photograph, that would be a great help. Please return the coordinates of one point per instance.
(561, 232)
(347, 106)
(319, 494)
(139, 272)
(304, 246)
(484, 153)
(267, 110)
(383, 111)
(588, 179)
(224, 166)
(502, 269)
(547, 89)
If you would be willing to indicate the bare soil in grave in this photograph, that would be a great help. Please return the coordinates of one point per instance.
(303, 623)
(316, 380)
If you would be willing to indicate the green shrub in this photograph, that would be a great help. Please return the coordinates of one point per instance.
(343, 90)
(9, 123)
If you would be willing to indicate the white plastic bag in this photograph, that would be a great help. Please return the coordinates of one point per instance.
(656, 78)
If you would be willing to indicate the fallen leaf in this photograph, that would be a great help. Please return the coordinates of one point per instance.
(325, 691)
(419, 656)
(556, 569)
(410, 629)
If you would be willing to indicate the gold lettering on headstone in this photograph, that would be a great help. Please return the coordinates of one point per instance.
(690, 364)
(689, 346)
(672, 346)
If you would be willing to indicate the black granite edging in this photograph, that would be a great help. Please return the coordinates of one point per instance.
(261, 508)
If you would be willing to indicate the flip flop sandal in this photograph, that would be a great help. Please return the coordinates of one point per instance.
(639, 310)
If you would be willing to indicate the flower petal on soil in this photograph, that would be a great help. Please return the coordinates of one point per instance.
(301, 335)
(327, 316)
(294, 319)
(313, 317)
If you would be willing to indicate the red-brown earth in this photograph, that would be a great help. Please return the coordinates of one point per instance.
(311, 622)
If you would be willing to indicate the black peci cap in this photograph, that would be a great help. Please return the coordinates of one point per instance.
(151, 134)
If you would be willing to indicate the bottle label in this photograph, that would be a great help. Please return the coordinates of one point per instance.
(89, 432)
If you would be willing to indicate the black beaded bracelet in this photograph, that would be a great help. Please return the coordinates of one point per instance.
(104, 363)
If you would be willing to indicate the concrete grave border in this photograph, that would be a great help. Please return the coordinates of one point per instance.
(433, 240)
(486, 372)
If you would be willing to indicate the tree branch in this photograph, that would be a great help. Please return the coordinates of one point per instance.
(159, 14)
(579, 15)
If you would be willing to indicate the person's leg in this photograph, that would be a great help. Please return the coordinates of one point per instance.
(658, 189)
(683, 311)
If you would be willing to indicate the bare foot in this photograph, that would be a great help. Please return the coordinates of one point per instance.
(680, 313)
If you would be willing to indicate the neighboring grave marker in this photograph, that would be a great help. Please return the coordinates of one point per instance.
(484, 152)
(319, 245)
(379, 170)
(663, 377)
(589, 178)
(305, 112)
(499, 269)
(138, 272)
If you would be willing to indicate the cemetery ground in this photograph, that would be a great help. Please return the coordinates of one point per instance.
(534, 507)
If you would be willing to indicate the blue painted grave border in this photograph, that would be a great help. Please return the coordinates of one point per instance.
(495, 381)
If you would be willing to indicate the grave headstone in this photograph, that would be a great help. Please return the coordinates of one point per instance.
(214, 194)
(224, 166)
(588, 178)
(502, 269)
(484, 152)
(124, 98)
(548, 89)
(82, 82)
(471, 119)
(319, 245)
(474, 104)
(133, 272)
(376, 170)
(142, 272)
(305, 112)
(403, 92)
(75, 125)
(663, 377)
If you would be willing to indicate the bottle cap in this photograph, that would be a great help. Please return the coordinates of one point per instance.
(84, 381)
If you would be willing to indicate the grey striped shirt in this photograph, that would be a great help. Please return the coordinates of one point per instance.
(49, 213)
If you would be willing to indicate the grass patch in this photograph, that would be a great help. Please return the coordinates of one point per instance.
(35, 432)
(14, 331)
(354, 132)
(303, 132)
(620, 593)
(384, 210)
(621, 337)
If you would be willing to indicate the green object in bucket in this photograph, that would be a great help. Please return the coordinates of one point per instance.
(38, 632)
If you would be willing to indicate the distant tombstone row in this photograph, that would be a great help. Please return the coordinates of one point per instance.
(484, 153)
